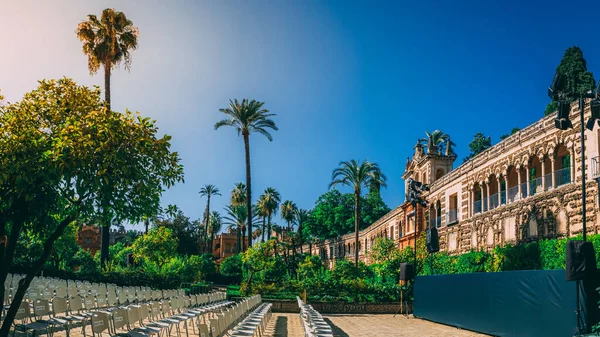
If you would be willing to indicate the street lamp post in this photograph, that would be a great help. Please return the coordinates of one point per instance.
(563, 122)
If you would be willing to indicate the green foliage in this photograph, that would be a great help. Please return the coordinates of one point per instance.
(187, 232)
(156, 247)
(576, 78)
(232, 266)
(512, 132)
(333, 214)
(479, 144)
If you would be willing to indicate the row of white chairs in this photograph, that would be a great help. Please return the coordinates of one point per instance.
(247, 318)
(61, 313)
(105, 294)
(312, 321)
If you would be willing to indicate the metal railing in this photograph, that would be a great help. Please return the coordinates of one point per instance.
(523, 190)
(563, 176)
(513, 194)
(535, 186)
(493, 201)
(477, 207)
(452, 216)
(548, 181)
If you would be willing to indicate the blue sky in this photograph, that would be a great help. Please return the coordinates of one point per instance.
(347, 79)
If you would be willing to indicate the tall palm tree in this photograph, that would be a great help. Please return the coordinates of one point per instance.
(288, 209)
(214, 227)
(301, 217)
(108, 42)
(238, 195)
(272, 198)
(235, 218)
(208, 191)
(261, 207)
(436, 141)
(247, 117)
(357, 175)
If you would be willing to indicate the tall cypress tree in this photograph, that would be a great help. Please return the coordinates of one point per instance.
(576, 78)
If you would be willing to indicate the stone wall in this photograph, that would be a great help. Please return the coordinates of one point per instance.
(288, 306)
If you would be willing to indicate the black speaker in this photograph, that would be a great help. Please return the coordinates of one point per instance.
(581, 260)
(433, 241)
(407, 271)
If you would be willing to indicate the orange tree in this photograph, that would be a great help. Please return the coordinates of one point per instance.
(64, 158)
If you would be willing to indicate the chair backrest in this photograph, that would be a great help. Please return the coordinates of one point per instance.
(89, 302)
(111, 298)
(119, 318)
(76, 303)
(101, 300)
(144, 310)
(99, 322)
(59, 305)
(41, 308)
(203, 330)
(23, 311)
(215, 329)
(133, 315)
(61, 291)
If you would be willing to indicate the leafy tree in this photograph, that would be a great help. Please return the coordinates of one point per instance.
(158, 246)
(107, 43)
(311, 267)
(185, 230)
(247, 117)
(576, 78)
(256, 259)
(208, 191)
(232, 266)
(357, 176)
(512, 132)
(479, 144)
(89, 163)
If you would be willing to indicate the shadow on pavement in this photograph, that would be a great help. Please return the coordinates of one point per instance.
(281, 327)
(336, 331)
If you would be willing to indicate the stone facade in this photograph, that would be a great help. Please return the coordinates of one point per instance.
(225, 244)
(89, 237)
(524, 188)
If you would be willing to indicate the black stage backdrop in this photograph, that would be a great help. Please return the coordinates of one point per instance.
(514, 303)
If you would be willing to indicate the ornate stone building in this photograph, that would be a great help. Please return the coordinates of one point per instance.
(524, 188)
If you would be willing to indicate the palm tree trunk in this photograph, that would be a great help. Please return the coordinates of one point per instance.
(269, 227)
(263, 230)
(300, 237)
(207, 222)
(106, 229)
(243, 239)
(248, 187)
(239, 237)
(146, 224)
(107, 84)
(356, 222)
(212, 238)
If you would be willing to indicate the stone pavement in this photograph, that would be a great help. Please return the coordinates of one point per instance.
(367, 325)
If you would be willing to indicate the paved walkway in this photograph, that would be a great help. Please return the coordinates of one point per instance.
(367, 325)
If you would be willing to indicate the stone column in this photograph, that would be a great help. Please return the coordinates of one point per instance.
(487, 195)
(527, 183)
(543, 164)
(519, 188)
(482, 196)
(499, 177)
(552, 167)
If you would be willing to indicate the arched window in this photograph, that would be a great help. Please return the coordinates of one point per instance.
(439, 173)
